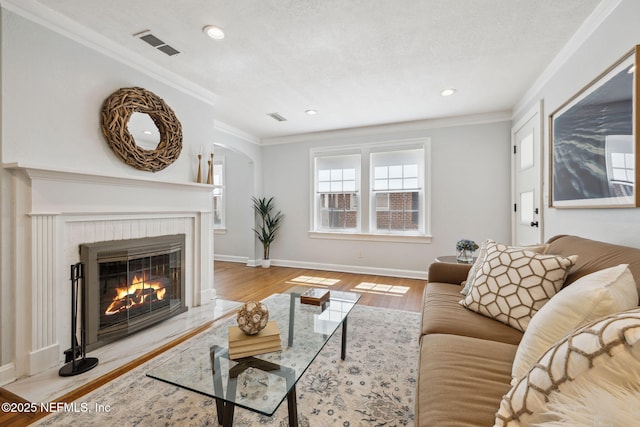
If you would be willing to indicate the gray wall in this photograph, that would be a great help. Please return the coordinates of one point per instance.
(470, 181)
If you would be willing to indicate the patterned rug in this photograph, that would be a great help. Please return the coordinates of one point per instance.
(374, 386)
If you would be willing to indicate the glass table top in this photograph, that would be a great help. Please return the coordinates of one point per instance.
(259, 383)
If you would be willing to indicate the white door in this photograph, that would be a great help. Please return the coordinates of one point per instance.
(527, 179)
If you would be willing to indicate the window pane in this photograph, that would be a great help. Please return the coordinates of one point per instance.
(410, 171)
(349, 186)
(380, 172)
(324, 175)
(336, 174)
(349, 174)
(395, 171)
(395, 184)
(324, 187)
(411, 183)
(336, 186)
(381, 184)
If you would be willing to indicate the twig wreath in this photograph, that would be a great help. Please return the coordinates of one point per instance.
(116, 112)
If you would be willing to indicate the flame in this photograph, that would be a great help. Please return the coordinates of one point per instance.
(135, 294)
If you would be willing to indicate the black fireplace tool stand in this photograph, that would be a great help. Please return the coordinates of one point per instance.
(75, 357)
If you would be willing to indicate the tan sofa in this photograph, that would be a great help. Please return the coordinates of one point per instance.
(466, 358)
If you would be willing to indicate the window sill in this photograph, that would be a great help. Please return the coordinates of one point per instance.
(219, 231)
(371, 237)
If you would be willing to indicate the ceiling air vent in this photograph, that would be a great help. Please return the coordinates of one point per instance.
(277, 117)
(152, 40)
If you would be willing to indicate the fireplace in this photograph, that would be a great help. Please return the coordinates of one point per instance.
(131, 284)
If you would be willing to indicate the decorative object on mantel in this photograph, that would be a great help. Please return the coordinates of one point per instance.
(269, 225)
(116, 112)
(210, 174)
(464, 251)
(252, 317)
(199, 176)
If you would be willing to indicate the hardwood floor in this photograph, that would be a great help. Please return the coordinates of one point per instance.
(238, 282)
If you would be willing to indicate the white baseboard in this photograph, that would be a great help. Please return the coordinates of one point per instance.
(7, 373)
(231, 258)
(357, 269)
(44, 358)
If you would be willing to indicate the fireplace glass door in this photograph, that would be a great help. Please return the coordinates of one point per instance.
(135, 287)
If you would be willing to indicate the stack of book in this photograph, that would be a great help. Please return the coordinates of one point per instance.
(265, 341)
(315, 296)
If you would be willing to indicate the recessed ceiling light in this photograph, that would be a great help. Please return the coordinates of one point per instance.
(214, 32)
(448, 92)
(311, 112)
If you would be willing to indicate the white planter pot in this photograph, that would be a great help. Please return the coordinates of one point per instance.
(266, 263)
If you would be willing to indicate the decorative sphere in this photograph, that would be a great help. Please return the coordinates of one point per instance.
(253, 317)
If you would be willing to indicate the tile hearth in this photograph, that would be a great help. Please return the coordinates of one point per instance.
(48, 385)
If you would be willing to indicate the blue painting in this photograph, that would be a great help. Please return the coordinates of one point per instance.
(593, 148)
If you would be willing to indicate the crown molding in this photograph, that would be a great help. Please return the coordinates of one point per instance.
(58, 23)
(588, 27)
(393, 128)
(234, 131)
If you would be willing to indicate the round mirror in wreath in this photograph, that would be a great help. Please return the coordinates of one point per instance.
(118, 110)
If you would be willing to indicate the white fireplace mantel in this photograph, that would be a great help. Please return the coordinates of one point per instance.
(56, 210)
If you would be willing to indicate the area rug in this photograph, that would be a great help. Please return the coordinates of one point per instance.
(374, 386)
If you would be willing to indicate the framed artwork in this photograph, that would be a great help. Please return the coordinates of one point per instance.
(595, 144)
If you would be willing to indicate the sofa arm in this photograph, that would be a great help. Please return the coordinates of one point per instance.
(446, 272)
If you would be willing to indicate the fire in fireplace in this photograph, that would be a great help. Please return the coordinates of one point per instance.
(131, 284)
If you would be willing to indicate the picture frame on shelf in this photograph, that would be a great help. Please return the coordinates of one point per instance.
(594, 143)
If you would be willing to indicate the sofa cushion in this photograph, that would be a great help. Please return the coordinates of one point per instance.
(591, 297)
(442, 314)
(513, 284)
(595, 345)
(461, 380)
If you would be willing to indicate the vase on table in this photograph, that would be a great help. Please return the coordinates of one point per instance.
(464, 256)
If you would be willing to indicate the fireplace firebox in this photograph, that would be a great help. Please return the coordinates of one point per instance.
(131, 284)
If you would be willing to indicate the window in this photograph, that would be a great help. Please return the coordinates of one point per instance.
(371, 190)
(396, 191)
(218, 193)
(336, 195)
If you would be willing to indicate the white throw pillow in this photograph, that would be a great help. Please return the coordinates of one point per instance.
(607, 395)
(605, 344)
(588, 298)
(513, 284)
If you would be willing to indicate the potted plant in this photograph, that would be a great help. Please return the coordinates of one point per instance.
(269, 224)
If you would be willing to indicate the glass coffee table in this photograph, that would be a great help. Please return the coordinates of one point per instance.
(261, 383)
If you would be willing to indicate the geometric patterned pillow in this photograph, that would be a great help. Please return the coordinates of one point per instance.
(615, 337)
(514, 283)
(482, 255)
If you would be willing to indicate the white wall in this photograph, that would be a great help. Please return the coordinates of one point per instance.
(470, 179)
(618, 33)
(52, 92)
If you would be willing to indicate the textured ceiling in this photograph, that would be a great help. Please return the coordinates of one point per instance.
(358, 62)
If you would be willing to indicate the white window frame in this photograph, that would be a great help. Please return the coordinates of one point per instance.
(221, 188)
(342, 162)
(366, 230)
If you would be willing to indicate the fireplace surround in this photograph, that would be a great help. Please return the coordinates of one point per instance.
(57, 210)
(131, 284)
